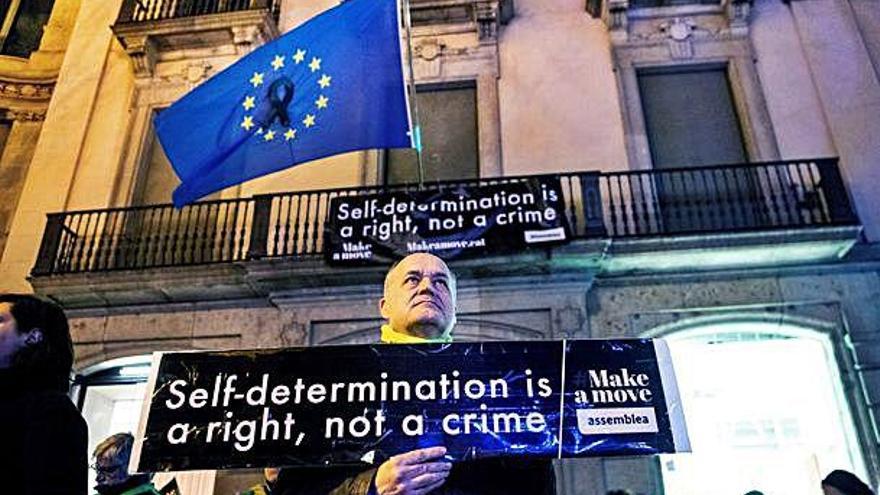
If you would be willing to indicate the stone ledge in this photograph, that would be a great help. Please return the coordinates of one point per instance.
(577, 263)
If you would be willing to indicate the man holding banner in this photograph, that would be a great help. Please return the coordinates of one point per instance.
(390, 419)
(419, 305)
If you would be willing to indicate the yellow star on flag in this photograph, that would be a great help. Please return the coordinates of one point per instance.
(324, 81)
(257, 79)
(278, 62)
(247, 123)
(269, 136)
(290, 134)
(299, 56)
(249, 102)
(315, 64)
(321, 102)
(309, 120)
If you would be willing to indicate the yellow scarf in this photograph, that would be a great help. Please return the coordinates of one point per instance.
(391, 336)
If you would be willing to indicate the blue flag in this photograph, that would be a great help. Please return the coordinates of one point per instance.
(334, 84)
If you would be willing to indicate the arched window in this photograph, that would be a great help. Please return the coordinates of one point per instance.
(765, 410)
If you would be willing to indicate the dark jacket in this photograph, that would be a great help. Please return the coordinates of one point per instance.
(495, 476)
(500, 476)
(43, 436)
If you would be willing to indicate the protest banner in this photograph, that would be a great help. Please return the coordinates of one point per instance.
(466, 220)
(350, 404)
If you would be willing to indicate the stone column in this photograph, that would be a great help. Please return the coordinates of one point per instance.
(849, 90)
(17, 154)
(58, 151)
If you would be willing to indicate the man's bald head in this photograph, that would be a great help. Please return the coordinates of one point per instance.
(419, 297)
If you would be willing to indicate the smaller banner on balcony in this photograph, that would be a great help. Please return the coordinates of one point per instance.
(464, 220)
(355, 404)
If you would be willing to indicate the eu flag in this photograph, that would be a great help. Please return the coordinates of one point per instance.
(334, 84)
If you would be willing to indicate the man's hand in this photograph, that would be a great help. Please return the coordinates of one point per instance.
(413, 473)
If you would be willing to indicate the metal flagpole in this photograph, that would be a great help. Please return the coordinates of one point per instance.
(414, 106)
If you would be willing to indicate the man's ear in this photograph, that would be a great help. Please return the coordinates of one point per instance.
(382, 310)
(34, 337)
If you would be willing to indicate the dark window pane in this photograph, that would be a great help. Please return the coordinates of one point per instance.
(27, 28)
(691, 121)
(690, 117)
(4, 9)
(5, 127)
(449, 137)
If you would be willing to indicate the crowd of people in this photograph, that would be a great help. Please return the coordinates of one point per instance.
(43, 437)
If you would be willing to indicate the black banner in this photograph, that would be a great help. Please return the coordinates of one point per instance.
(349, 404)
(460, 221)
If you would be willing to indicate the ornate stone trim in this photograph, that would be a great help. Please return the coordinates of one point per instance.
(143, 53)
(485, 15)
(686, 35)
(25, 115)
(487, 20)
(26, 90)
(146, 42)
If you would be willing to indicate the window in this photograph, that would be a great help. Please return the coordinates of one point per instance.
(690, 117)
(691, 121)
(765, 410)
(23, 25)
(157, 180)
(448, 116)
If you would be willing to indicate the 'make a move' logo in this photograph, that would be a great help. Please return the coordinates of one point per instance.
(354, 251)
(621, 388)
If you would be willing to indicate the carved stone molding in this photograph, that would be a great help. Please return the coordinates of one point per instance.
(30, 115)
(680, 26)
(429, 49)
(738, 13)
(142, 50)
(485, 16)
(151, 42)
(680, 41)
(192, 73)
(27, 90)
(247, 38)
(487, 20)
(615, 16)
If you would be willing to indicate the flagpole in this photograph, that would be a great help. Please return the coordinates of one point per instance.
(414, 106)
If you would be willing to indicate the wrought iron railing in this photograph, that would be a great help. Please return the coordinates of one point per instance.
(722, 199)
(158, 10)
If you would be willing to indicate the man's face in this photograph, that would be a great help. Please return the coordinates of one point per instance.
(111, 468)
(11, 340)
(830, 490)
(419, 297)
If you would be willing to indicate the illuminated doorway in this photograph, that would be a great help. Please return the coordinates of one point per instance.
(111, 397)
(765, 410)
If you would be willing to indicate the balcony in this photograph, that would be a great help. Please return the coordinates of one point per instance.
(152, 29)
(708, 217)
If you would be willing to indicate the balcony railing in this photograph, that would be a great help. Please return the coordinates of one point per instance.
(687, 201)
(159, 10)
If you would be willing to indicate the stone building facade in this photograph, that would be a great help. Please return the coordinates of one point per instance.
(558, 86)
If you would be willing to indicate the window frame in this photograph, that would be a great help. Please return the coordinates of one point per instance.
(672, 44)
(385, 155)
(8, 23)
(692, 69)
